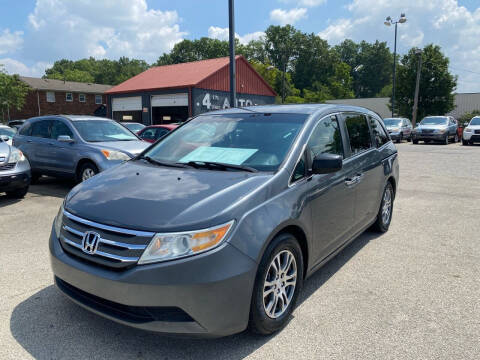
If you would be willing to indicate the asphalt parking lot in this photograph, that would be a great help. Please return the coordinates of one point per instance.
(409, 294)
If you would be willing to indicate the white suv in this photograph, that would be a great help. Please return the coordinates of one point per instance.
(471, 133)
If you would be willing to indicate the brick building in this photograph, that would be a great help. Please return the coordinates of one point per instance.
(48, 96)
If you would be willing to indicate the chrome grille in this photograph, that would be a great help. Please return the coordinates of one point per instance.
(427, 131)
(5, 167)
(118, 248)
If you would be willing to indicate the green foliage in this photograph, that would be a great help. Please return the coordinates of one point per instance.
(111, 72)
(437, 85)
(465, 118)
(12, 91)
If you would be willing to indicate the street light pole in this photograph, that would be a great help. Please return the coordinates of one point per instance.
(231, 35)
(417, 87)
(389, 21)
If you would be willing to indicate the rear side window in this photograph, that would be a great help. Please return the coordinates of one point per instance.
(26, 129)
(358, 133)
(326, 138)
(379, 132)
(41, 129)
(60, 129)
(148, 134)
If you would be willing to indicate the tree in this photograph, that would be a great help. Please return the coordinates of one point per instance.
(465, 118)
(437, 85)
(12, 91)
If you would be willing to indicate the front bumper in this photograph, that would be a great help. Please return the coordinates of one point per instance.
(471, 136)
(429, 136)
(207, 295)
(14, 181)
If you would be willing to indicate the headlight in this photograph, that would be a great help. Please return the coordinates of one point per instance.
(16, 156)
(177, 245)
(468, 130)
(440, 131)
(58, 221)
(115, 155)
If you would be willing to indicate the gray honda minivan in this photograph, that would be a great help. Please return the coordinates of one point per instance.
(216, 227)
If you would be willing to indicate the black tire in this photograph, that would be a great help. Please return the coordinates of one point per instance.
(35, 177)
(415, 142)
(445, 142)
(409, 138)
(86, 166)
(18, 194)
(400, 138)
(380, 224)
(465, 142)
(260, 322)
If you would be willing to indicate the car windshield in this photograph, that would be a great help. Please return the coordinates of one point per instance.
(392, 122)
(134, 127)
(7, 131)
(475, 121)
(102, 130)
(434, 121)
(254, 140)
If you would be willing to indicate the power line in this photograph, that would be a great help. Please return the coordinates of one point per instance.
(470, 71)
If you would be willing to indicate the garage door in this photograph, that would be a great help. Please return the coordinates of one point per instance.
(170, 100)
(133, 103)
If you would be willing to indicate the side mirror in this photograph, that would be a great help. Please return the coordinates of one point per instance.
(65, 138)
(4, 138)
(327, 163)
(465, 124)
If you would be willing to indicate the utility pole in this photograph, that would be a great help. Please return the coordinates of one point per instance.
(417, 87)
(231, 35)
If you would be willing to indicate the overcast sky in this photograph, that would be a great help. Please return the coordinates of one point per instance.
(35, 33)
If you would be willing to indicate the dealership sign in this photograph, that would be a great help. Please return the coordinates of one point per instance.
(209, 100)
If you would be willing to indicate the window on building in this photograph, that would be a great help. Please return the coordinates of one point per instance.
(358, 133)
(50, 96)
(82, 98)
(69, 97)
(98, 99)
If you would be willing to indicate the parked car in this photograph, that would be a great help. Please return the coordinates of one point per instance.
(7, 131)
(75, 146)
(17, 124)
(399, 128)
(14, 170)
(436, 128)
(154, 132)
(215, 227)
(471, 134)
(133, 126)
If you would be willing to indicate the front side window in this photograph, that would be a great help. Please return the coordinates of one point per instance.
(41, 129)
(260, 141)
(102, 131)
(379, 132)
(50, 96)
(60, 129)
(358, 133)
(300, 169)
(68, 97)
(82, 98)
(98, 99)
(326, 138)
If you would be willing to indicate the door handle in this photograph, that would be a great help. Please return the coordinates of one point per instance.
(350, 182)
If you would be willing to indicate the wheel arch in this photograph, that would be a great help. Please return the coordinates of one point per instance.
(81, 162)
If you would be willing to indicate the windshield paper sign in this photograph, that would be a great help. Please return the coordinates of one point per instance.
(233, 156)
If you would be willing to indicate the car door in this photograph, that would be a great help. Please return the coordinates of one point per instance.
(330, 197)
(63, 154)
(368, 172)
(39, 145)
(407, 128)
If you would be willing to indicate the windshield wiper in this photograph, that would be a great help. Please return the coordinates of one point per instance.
(217, 165)
(161, 163)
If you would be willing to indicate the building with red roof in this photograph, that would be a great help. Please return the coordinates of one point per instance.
(172, 93)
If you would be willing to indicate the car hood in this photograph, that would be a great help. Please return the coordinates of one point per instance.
(4, 152)
(393, 126)
(474, 127)
(434, 127)
(132, 148)
(142, 196)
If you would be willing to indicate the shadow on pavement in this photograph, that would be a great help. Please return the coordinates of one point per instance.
(49, 326)
(49, 186)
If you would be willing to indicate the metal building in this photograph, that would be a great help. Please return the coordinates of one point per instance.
(172, 93)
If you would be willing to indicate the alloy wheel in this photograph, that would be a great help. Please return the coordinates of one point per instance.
(387, 206)
(87, 173)
(279, 284)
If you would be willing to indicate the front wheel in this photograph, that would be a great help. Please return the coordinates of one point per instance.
(18, 194)
(445, 141)
(465, 142)
(400, 138)
(415, 142)
(278, 282)
(384, 216)
(87, 170)
(455, 139)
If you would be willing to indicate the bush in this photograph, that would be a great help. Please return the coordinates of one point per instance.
(465, 118)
